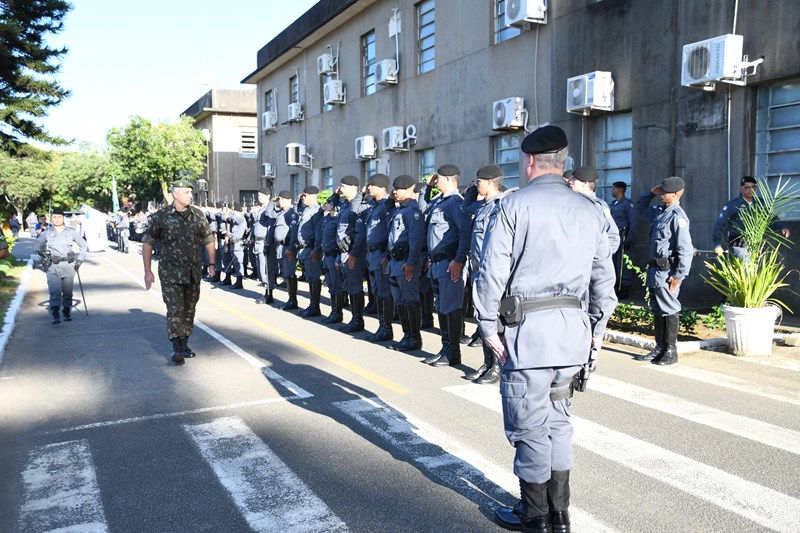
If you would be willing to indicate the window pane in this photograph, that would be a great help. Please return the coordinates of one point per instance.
(785, 93)
(614, 155)
(780, 117)
(788, 139)
(621, 159)
(783, 163)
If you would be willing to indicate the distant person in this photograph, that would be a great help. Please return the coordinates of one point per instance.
(15, 225)
(31, 223)
(627, 221)
(41, 225)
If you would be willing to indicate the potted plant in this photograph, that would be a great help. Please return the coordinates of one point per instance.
(748, 284)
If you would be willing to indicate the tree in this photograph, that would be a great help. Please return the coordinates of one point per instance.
(82, 178)
(24, 181)
(147, 157)
(27, 64)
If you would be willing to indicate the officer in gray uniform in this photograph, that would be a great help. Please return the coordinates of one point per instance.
(545, 249)
(584, 181)
(669, 260)
(237, 227)
(261, 226)
(377, 227)
(309, 249)
(327, 237)
(124, 229)
(403, 262)
(54, 247)
(285, 226)
(448, 236)
(627, 221)
(223, 255)
(351, 237)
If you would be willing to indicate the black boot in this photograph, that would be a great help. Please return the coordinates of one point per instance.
(291, 287)
(67, 312)
(530, 513)
(414, 313)
(402, 312)
(177, 351)
(445, 334)
(558, 500)
(238, 285)
(336, 309)
(215, 277)
(385, 314)
(55, 314)
(226, 280)
(267, 299)
(492, 372)
(658, 323)
(315, 292)
(187, 352)
(426, 301)
(670, 354)
(455, 323)
(373, 306)
(356, 323)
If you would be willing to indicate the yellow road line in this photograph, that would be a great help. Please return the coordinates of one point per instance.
(338, 361)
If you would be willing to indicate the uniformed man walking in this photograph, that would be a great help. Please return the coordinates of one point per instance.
(627, 222)
(123, 224)
(180, 228)
(54, 247)
(669, 260)
(545, 250)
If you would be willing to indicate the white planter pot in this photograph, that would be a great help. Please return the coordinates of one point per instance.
(750, 330)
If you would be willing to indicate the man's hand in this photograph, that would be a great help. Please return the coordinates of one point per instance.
(497, 344)
(314, 257)
(408, 270)
(148, 280)
(384, 264)
(289, 255)
(674, 283)
(78, 265)
(351, 261)
(656, 190)
(455, 270)
(718, 250)
(786, 233)
(211, 270)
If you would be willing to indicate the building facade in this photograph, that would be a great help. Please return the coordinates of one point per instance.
(415, 84)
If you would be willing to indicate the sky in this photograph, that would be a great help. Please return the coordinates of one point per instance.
(155, 58)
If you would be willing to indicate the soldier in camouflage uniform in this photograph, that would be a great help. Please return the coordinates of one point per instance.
(180, 228)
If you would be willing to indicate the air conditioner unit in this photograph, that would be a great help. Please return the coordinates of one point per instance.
(366, 147)
(594, 90)
(325, 64)
(392, 139)
(705, 62)
(295, 112)
(295, 154)
(268, 170)
(386, 71)
(269, 120)
(333, 92)
(508, 114)
(518, 12)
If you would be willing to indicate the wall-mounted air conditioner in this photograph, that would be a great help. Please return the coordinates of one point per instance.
(386, 71)
(594, 90)
(366, 148)
(333, 92)
(295, 154)
(325, 64)
(716, 59)
(269, 121)
(519, 12)
(268, 170)
(508, 114)
(295, 112)
(392, 139)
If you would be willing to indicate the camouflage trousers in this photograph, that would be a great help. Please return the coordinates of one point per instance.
(181, 299)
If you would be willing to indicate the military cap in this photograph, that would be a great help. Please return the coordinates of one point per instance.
(286, 195)
(673, 184)
(545, 140)
(404, 182)
(490, 172)
(448, 170)
(379, 180)
(350, 180)
(748, 179)
(586, 174)
(265, 190)
(57, 211)
(183, 183)
(311, 190)
(620, 185)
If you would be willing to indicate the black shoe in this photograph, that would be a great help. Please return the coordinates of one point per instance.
(412, 343)
(67, 314)
(290, 304)
(659, 324)
(267, 298)
(435, 357)
(55, 314)
(238, 285)
(490, 376)
(670, 354)
(227, 281)
(383, 334)
(177, 351)
(451, 359)
(187, 352)
(508, 518)
(472, 376)
(355, 325)
(310, 311)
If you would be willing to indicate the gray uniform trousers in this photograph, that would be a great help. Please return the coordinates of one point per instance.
(260, 261)
(60, 281)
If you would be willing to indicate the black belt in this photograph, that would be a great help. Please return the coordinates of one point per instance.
(331, 253)
(376, 248)
(435, 258)
(259, 239)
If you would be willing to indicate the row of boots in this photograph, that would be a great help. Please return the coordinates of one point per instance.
(55, 312)
(542, 508)
(666, 350)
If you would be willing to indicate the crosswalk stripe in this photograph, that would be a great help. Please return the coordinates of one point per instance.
(755, 430)
(61, 491)
(759, 504)
(457, 467)
(269, 495)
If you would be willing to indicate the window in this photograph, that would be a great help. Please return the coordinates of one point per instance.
(326, 180)
(506, 156)
(325, 78)
(427, 162)
(368, 62)
(778, 134)
(426, 36)
(295, 180)
(614, 153)
(501, 31)
(269, 100)
(247, 142)
(368, 169)
(294, 90)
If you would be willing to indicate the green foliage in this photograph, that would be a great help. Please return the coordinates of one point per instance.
(82, 178)
(688, 321)
(632, 315)
(715, 319)
(323, 196)
(639, 273)
(27, 67)
(24, 181)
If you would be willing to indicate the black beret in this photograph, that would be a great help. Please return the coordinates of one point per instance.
(673, 184)
(448, 170)
(545, 140)
(350, 180)
(265, 190)
(379, 180)
(183, 183)
(311, 190)
(620, 185)
(490, 172)
(586, 174)
(404, 182)
(748, 179)
(286, 195)
(57, 211)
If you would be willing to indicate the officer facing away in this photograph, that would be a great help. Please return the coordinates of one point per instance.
(54, 246)
(544, 250)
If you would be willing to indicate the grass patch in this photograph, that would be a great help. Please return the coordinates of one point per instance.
(10, 276)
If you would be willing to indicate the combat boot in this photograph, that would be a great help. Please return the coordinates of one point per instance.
(558, 500)
(291, 287)
(187, 352)
(373, 305)
(267, 299)
(55, 314)
(177, 351)
(414, 341)
(426, 301)
(67, 312)
(238, 285)
(356, 323)
(492, 372)
(385, 333)
(315, 291)
(530, 514)
(455, 321)
(226, 281)
(658, 323)
(402, 312)
(336, 309)
(670, 354)
(445, 334)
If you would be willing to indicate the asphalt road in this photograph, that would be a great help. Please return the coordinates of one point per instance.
(284, 424)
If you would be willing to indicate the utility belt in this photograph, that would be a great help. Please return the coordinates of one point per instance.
(663, 263)
(449, 254)
(331, 253)
(56, 259)
(399, 252)
(514, 308)
(259, 239)
(377, 248)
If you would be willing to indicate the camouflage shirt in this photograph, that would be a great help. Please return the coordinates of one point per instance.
(180, 235)
(3, 242)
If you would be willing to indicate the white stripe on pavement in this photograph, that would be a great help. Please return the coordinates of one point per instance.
(268, 494)
(759, 504)
(749, 428)
(437, 453)
(60, 490)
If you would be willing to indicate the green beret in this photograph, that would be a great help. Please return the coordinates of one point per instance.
(183, 183)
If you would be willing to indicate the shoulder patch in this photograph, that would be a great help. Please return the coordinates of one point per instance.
(682, 222)
(492, 222)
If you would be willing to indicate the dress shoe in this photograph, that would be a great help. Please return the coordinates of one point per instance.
(508, 518)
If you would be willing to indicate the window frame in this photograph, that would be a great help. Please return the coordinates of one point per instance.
(426, 30)
(369, 63)
(510, 179)
(606, 146)
(501, 31)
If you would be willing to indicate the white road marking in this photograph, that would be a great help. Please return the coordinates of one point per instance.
(459, 468)
(269, 495)
(13, 308)
(759, 504)
(61, 491)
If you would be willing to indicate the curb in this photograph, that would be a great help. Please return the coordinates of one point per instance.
(13, 309)
(637, 341)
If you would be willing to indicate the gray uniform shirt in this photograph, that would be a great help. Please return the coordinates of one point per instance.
(59, 244)
(669, 238)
